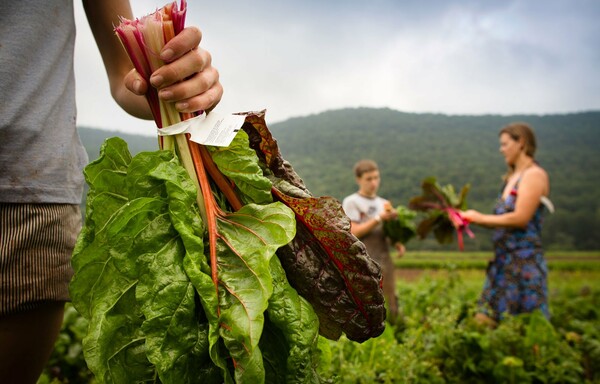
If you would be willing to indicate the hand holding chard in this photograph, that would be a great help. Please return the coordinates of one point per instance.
(176, 263)
(442, 206)
(143, 40)
(403, 228)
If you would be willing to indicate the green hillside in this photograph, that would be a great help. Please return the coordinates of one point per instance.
(455, 149)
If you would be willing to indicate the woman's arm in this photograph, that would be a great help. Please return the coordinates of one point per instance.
(188, 78)
(533, 185)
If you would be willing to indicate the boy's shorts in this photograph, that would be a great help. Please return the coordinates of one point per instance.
(36, 244)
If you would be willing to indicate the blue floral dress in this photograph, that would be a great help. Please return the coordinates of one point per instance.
(516, 280)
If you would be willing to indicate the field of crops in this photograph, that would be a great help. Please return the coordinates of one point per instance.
(436, 339)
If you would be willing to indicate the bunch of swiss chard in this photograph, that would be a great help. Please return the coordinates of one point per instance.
(442, 207)
(213, 264)
(403, 228)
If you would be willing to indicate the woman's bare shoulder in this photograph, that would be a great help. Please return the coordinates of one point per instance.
(536, 171)
(537, 175)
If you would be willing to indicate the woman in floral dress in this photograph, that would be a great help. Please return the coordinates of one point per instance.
(516, 280)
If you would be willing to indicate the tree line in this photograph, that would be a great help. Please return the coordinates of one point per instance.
(455, 149)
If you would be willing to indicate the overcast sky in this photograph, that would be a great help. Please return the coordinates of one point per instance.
(296, 58)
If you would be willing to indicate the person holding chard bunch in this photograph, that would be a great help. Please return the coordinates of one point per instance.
(517, 277)
(41, 156)
(367, 212)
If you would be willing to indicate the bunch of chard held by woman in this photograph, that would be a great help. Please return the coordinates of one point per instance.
(212, 264)
(442, 207)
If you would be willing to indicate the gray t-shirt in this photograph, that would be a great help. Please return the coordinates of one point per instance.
(41, 156)
(360, 209)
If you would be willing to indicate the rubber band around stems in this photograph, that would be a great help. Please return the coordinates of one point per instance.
(181, 127)
(461, 224)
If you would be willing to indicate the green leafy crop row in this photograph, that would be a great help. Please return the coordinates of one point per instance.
(437, 341)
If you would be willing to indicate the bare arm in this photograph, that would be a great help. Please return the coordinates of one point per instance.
(533, 185)
(102, 17)
(361, 229)
(188, 78)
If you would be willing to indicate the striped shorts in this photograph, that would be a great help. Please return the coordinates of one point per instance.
(36, 243)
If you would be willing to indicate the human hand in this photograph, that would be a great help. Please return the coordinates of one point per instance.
(472, 216)
(400, 248)
(389, 213)
(188, 78)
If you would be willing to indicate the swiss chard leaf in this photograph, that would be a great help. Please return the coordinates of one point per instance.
(176, 330)
(248, 239)
(108, 173)
(130, 284)
(239, 163)
(103, 290)
(159, 311)
(332, 270)
(132, 280)
(293, 327)
(325, 263)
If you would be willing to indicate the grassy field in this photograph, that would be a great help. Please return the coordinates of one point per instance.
(571, 281)
(557, 261)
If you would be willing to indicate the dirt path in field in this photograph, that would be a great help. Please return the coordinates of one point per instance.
(413, 274)
(409, 274)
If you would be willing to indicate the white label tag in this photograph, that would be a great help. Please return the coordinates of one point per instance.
(212, 129)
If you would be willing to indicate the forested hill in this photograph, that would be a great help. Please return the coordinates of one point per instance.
(455, 149)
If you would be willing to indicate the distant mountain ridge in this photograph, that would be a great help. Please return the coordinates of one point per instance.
(456, 149)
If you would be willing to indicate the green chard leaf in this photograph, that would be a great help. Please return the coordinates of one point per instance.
(294, 328)
(403, 228)
(240, 164)
(248, 239)
(131, 286)
(107, 174)
(176, 331)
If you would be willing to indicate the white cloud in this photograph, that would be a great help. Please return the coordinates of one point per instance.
(456, 57)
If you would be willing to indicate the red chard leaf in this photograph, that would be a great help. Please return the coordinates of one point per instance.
(325, 263)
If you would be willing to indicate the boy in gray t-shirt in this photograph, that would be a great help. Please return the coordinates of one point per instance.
(367, 211)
